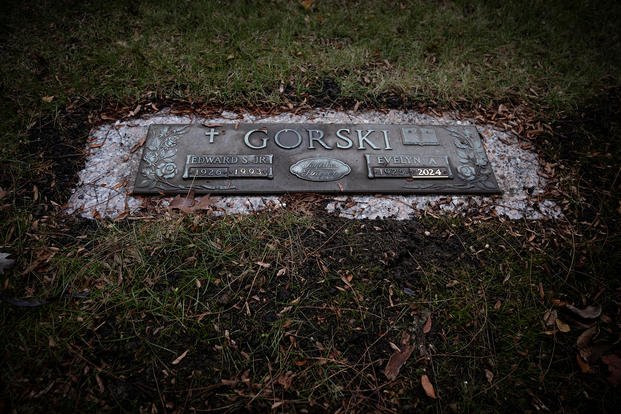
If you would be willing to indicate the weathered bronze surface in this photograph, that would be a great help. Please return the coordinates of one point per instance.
(323, 158)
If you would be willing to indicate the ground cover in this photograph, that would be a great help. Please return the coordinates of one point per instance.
(299, 311)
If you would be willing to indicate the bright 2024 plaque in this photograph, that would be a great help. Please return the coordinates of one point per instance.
(321, 158)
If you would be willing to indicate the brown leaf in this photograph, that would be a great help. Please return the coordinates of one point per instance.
(285, 380)
(558, 303)
(398, 358)
(562, 326)
(100, 384)
(427, 325)
(263, 264)
(584, 342)
(489, 375)
(180, 357)
(181, 203)
(549, 317)
(427, 386)
(47, 99)
(136, 111)
(205, 203)
(590, 312)
(138, 145)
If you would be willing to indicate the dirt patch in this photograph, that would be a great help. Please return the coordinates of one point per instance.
(54, 152)
(588, 144)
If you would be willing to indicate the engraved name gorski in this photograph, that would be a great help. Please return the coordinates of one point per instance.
(344, 138)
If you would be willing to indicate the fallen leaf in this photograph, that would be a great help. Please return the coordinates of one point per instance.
(549, 317)
(558, 303)
(427, 386)
(135, 111)
(100, 383)
(583, 343)
(307, 4)
(614, 367)
(285, 310)
(562, 326)
(180, 357)
(489, 375)
(590, 312)
(282, 272)
(205, 203)
(138, 145)
(285, 380)
(47, 99)
(263, 264)
(398, 358)
(427, 325)
(5, 262)
(181, 203)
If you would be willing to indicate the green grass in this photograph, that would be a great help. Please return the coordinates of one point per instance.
(551, 53)
(152, 294)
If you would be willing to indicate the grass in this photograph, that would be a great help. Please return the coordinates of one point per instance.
(553, 54)
(316, 334)
(293, 311)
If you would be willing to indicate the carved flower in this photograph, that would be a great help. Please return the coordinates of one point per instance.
(166, 170)
(467, 172)
(150, 157)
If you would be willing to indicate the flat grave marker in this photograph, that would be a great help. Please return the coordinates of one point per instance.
(322, 158)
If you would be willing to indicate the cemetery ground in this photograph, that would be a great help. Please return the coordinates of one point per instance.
(297, 310)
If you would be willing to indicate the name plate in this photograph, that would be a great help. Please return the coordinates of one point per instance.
(322, 158)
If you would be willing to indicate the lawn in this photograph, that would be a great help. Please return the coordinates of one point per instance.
(298, 310)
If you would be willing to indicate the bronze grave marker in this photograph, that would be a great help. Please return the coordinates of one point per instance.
(322, 158)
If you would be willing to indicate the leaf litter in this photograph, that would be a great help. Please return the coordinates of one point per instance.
(398, 358)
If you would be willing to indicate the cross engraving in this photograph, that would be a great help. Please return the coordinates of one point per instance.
(211, 133)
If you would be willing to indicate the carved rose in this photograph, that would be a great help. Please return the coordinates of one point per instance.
(467, 172)
(166, 170)
(150, 157)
